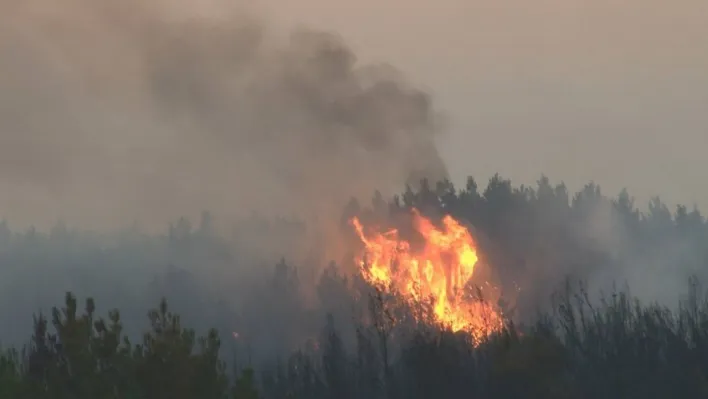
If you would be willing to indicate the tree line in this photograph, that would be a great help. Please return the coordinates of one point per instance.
(562, 339)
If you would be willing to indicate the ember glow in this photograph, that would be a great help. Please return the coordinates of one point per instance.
(438, 272)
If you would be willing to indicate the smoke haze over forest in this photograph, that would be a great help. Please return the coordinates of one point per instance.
(121, 117)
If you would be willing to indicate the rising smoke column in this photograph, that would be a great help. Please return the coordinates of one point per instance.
(114, 111)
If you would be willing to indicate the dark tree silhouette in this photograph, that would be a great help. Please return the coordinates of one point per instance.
(569, 332)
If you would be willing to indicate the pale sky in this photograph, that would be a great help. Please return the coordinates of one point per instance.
(101, 124)
(610, 91)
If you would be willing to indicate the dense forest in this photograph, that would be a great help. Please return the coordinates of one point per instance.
(601, 299)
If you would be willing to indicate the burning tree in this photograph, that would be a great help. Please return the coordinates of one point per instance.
(439, 271)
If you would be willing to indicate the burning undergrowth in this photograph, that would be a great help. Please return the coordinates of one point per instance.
(426, 272)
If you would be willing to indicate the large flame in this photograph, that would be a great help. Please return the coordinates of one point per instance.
(439, 272)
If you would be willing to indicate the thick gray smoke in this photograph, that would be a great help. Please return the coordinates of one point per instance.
(114, 111)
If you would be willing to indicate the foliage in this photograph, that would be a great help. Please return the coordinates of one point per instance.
(578, 344)
(88, 357)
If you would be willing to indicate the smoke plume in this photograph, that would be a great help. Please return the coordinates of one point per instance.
(114, 111)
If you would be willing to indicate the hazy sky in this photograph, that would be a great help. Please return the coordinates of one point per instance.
(611, 91)
(118, 109)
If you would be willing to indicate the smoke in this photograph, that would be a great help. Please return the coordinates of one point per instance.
(613, 244)
(653, 273)
(114, 111)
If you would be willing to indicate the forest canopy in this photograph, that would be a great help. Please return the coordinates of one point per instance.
(600, 298)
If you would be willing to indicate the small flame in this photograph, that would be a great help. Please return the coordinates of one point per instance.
(439, 272)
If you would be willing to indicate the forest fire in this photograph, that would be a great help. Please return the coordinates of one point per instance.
(439, 272)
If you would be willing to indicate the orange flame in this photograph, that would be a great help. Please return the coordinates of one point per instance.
(439, 273)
